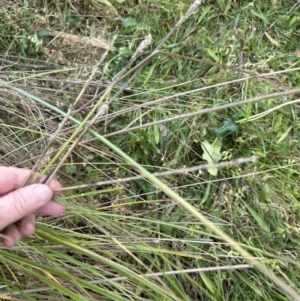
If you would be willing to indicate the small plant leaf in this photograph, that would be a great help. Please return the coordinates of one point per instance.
(156, 134)
(227, 126)
(73, 20)
(42, 33)
(129, 22)
(284, 135)
(274, 42)
(209, 284)
(293, 20)
(212, 154)
(70, 169)
(105, 2)
(124, 51)
(258, 218)
(221, 4)
(213, 55)
(265, 193)
(259, 15)
(149, 74)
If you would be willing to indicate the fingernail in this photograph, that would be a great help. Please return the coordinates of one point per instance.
(42, 193)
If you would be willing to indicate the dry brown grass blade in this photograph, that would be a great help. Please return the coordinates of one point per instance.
(166, 173)
(264, 76)
(60, 127)
(151, 275)
(93, 42)
(206, 111)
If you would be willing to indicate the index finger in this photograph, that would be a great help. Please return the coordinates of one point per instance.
(12, 178)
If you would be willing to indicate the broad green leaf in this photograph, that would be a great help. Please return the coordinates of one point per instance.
(293, 20)
(212, 154)
(206, 10)
(227, 126)
(73, 20)
(208, 283)
(124, 51)
(149, 74)
(221, 5)
(257, 217)
(259, 15)
(265, 193)
(274, 42)
(282, 149)
(70, 169)
(129, 22)
(278, 123)
(42, 33)
(251, 284)
(213, 55)
(105, 2)
(248, 110)
(156, 134)
(284, 135)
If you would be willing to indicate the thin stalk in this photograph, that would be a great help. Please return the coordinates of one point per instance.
(33, 176)
(71, 109)
(160, 100)
(82, 124)
(206, 111)
(164, 173)
(263, 114)
(151, 275)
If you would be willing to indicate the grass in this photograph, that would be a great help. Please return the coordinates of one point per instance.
(139, 240)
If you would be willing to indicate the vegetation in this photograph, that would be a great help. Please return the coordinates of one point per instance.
(171, 92)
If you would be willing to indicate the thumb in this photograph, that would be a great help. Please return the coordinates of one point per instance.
(21, 202)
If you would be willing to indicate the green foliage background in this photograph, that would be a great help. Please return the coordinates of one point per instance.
(114, 233)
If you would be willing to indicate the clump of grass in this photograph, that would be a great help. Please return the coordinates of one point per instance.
(132, 241)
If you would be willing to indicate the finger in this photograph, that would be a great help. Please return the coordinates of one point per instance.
(26, 226)
(55, 185)
(19, 203)
(12, 235)
(52, 208)
(15, 178)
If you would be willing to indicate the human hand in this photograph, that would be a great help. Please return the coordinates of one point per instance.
(18, 205)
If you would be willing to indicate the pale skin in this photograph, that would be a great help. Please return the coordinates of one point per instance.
(18, 205)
